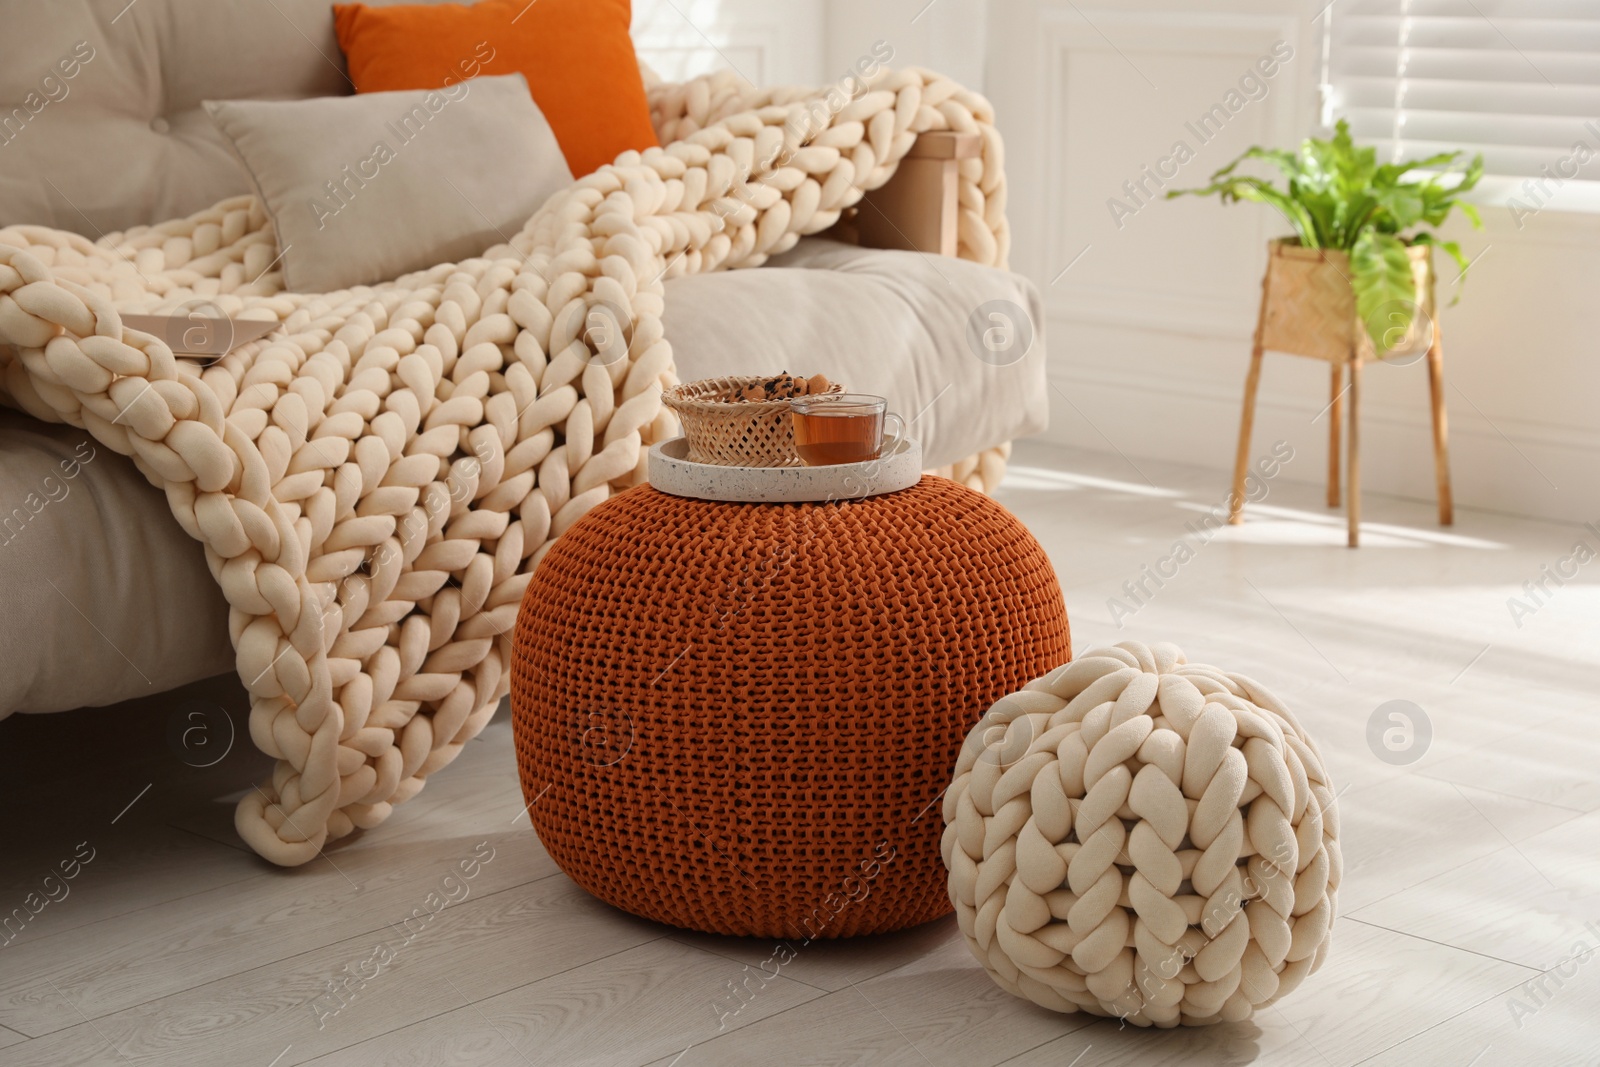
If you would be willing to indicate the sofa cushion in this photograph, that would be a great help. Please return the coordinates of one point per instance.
(576, 55)
(107, 597)
(897, 324)
(124, 141)
(337, 173)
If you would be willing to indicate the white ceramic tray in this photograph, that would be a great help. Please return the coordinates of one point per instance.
(900, 467)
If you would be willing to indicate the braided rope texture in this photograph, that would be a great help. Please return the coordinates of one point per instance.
(1136, 836)
(738, 718)
(374, 489)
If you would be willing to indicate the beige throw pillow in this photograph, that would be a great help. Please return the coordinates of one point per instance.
(362, 189)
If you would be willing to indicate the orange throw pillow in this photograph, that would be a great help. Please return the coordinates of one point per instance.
(576, 54)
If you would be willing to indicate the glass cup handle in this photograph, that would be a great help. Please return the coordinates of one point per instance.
(892, 442)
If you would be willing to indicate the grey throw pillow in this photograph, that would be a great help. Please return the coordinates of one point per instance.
(362, 189)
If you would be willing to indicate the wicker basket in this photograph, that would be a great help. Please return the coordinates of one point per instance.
(1310, 309)
(728, 432)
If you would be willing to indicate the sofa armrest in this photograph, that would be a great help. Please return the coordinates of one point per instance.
(915, 210)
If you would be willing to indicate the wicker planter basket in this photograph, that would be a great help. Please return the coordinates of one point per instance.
(1311, 309)
(728, 432)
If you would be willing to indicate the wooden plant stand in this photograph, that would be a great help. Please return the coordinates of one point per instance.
(1308, 309)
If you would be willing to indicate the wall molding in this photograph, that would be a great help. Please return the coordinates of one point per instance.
(1173, 313)
(1064, 32)
(1504, 465)
(1464, 418)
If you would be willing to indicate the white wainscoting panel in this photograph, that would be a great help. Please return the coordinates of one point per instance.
(1124, 123)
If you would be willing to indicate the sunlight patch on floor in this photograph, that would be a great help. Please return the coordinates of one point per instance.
(1044, 478)
(1298, 526)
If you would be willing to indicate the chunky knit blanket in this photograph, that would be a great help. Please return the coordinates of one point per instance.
(374, 486)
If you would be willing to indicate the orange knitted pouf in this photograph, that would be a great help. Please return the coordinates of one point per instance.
(739, 718)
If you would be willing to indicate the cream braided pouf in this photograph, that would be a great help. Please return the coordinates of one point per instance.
(1144, 838)
(375, 486)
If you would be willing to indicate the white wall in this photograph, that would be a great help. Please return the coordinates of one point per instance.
(1149, 331)
(943, 35)
(808, 42)
(767, 41)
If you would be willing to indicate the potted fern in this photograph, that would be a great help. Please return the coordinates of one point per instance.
(1363, 233)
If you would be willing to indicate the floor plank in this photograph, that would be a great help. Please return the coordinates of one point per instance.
(1376, 989)
(939, 1009)
(656, 1000)
(1527, 904)
(166, 864)
(1409, 829)
(110, 965)
(832, 964)
(476, 949)
(1554, 764)
(1548, 1021)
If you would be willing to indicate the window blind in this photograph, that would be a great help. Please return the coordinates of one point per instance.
(1518, 80)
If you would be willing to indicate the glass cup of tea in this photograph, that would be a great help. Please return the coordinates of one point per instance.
(833, 428)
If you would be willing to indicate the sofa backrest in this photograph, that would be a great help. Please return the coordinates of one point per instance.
(101, 127)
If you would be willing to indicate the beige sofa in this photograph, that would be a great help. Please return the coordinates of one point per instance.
(119, 599)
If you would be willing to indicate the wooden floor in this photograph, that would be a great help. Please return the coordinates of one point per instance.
(1472, 874)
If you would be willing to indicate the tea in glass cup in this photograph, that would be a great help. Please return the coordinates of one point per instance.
(842, 428)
